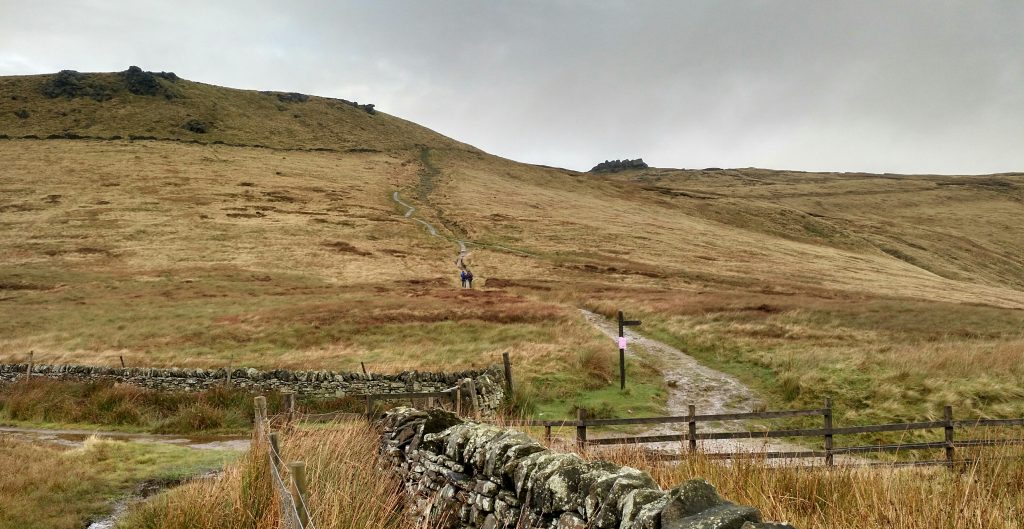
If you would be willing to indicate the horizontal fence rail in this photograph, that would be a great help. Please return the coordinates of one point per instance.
(453, 394)
(827, 432)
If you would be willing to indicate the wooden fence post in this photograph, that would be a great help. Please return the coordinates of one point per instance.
(122, 360)
(547, 433)
(227, 379)
(692, 424)
(473, 398)
(28, 373)
(275, 450)
(458, 402)
(581, 428)
(260, 409)
(298, 470)
(369, 408)
(948, 416)
(827, 415)
(362, 365)
(289, 405)
(508, 373)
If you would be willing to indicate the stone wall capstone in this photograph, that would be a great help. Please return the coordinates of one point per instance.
(318, 384)
(459, 474)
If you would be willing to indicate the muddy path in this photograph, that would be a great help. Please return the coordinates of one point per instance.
(711, 391)
(409, 210)
(76, 438)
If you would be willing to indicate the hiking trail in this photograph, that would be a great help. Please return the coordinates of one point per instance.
(711, 391)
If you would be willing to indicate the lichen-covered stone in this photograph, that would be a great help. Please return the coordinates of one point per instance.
(690, 498)
(498, 450)
(649, 516)
(472, 476)
(696, 505)
(725, 516)
(316, 384)
(556, 485)
(610, 515)
(633, 503)
(570, 521)
(525, 468)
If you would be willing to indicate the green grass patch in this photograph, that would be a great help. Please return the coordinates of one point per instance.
(56, 488)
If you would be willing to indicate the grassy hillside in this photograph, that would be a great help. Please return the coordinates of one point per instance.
(143, 104)
(894, 293)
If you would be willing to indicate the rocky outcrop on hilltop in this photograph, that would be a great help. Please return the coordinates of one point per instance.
(614, 166)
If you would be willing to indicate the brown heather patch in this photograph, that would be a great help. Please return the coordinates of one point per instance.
(346, 247)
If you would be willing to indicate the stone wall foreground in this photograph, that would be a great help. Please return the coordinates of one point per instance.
(460, 474)
(318, 384)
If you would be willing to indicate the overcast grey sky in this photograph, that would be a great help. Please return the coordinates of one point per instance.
(883, 86)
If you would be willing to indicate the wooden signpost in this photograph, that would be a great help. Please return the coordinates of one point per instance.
(623, 323)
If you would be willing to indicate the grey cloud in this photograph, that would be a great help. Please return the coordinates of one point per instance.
(913, 86)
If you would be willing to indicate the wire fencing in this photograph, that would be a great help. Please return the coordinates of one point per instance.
(292, 494)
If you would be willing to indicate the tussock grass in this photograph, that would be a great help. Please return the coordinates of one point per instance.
(348, 489)
(240, 497)
(41, 400)
(47, 487)
(980, 495)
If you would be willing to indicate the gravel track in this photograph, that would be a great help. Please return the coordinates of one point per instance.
(711, 391)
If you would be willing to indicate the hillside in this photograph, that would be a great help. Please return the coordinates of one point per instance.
(272, 240)
(147, 105)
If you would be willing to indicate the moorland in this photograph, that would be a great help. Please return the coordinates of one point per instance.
(175, 223)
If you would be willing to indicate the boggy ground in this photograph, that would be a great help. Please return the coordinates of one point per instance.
(53, 487)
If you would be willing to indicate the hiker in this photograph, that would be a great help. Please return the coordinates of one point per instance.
(465, 276)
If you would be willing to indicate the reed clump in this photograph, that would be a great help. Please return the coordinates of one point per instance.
(348, 488)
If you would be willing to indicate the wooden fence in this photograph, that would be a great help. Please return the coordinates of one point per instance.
(429, 398)
(426, 400)
(827, 433)
(691, 437)
(293, 494)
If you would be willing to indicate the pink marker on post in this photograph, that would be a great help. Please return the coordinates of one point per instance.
(622, 342)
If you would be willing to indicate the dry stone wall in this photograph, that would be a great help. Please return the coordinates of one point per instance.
(487, 383)
(460, 474)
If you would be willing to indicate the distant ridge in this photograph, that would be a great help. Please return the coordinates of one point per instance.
(137, 104)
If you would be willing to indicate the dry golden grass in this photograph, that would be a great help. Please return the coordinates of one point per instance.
(347, 488)
(193, 256)
(622, 228)
(897, 294)
(233, 116)
(977, 496)
(47, 487)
